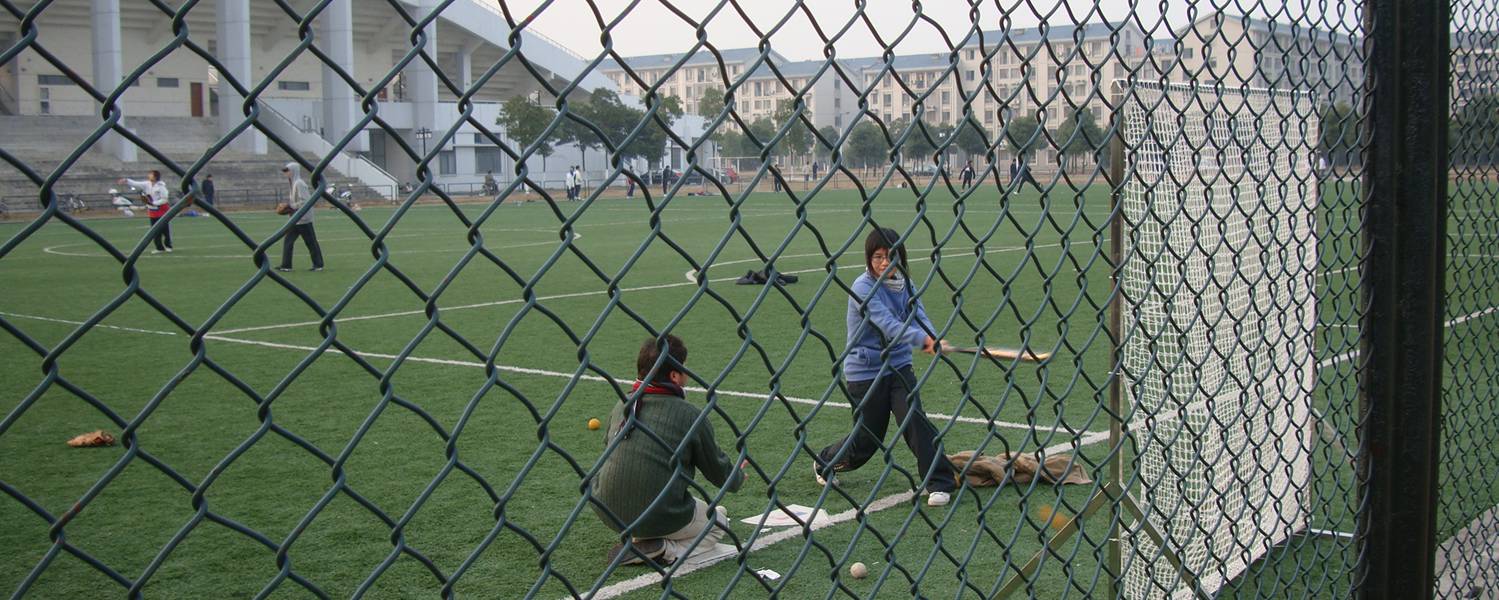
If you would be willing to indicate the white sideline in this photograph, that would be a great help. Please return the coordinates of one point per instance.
(102, 254)
(543, 372)
(659, 286)
(691, 274)
(1334, 360)
(68, 322)
(887, 502)
(546, 373)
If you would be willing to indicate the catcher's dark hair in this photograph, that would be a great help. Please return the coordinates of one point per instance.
(155, 174)
(650, 351)
(884, 238)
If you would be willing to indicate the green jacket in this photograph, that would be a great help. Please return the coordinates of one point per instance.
(642, 466)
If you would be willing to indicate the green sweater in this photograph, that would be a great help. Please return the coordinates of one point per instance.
(642, 466)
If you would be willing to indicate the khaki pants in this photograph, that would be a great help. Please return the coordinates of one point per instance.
(679, 543)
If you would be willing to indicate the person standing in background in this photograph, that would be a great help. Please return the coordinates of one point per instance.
(158, 202)
(209, 193)
(300, 194)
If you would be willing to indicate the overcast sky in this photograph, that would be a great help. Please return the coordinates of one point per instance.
(651, 28)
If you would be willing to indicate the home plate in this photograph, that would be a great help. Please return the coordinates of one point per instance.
(712, 555)
(792, 515)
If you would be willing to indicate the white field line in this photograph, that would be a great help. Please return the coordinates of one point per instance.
(691, 275)
(546, 373)
(765, 541)
(53, 250)
(642, 288)
(1334, 360)
(69, 322)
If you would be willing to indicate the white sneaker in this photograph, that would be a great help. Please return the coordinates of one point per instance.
(156, 252)
(169, 249)
(823, 481)
(938, 499)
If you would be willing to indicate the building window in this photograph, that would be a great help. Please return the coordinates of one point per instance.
(970, 55)
(968, 75)
(168, 82)
(946, 116)
(293, 86)
(488, 159)
(887, 99)
(947, 97)
(46, 101)
(1186, 53)
(447, 162)
(758, 90)
(53, 80)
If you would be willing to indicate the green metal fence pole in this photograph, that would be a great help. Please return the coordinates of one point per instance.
(1405, 231)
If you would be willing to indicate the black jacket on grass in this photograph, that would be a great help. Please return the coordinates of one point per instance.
(646, 460)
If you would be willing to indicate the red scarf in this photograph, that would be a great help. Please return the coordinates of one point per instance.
(655, 387)
(660, 387)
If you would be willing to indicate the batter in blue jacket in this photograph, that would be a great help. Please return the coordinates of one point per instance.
(877, 368)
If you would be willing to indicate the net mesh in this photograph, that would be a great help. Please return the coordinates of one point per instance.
(412, 420)
(1220, 205)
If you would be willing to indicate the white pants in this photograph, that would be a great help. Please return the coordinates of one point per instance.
(678, 544)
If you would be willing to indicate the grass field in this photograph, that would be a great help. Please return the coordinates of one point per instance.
(452, 445)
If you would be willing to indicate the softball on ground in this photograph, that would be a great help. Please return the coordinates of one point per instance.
(1054, 519)
(593, 424)
(858, 570)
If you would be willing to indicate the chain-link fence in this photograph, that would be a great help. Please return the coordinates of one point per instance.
(1094, 300)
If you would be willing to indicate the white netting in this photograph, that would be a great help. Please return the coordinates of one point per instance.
(1219, 258)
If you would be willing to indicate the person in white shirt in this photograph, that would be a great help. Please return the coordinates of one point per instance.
(158, 203)
(300, 194)
(572, 181)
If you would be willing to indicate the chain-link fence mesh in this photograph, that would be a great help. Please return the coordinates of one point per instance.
(1468, 524)
(1124, 300)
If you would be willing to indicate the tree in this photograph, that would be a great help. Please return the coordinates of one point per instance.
(525, 123)
(711, 104)
(916, 145)
(821, 151)
(866, 145)
(1079, 135)
(798, 138)
(1339, 133)
(651, 143)
(970, 139)
(1023, 134)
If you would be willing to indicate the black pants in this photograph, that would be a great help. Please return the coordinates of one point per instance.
(874, 401)
(304, 231)
(162, 240)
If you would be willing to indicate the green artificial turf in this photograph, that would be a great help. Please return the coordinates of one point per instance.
(458, 434)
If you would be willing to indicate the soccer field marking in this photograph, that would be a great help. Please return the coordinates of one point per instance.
(407, 313)
(70, 322)
(1334, 360)
(691, 274)
(270, 251)
(560, 374)
(787, 533)
(541, 372)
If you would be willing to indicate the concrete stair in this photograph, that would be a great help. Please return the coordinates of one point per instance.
(43, 143)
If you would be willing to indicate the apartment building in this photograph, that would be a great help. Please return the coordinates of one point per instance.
(762, 84)
(1046, 72)
(1238, 51)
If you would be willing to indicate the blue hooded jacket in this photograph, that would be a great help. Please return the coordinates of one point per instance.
(887, 321)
